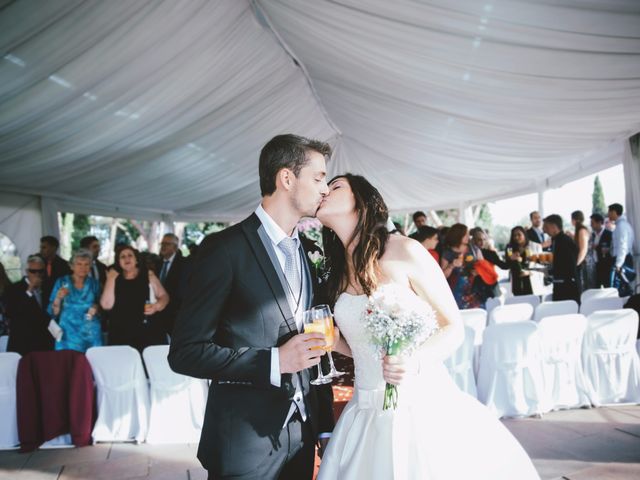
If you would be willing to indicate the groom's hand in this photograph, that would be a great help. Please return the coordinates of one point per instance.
(297, 354)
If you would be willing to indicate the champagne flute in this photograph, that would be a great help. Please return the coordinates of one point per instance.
(314, 323)
(325, 312)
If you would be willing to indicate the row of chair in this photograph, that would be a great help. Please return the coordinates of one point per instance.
(566, 361)
(590, 304)
(165, 408)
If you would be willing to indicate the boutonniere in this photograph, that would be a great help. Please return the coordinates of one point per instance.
(319, 264)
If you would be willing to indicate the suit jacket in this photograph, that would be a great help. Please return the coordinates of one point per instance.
(102, 272)
(235, 311)
(59, 268)
(493, 257)
(173, 284)
(28, 321)
(532, 235)
(605, 242)
(565, 256)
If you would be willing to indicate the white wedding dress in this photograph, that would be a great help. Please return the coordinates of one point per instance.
(437, 432)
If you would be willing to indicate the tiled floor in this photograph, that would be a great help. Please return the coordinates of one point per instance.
(595, 444)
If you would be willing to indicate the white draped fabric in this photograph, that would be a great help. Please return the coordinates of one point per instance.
(559, 307)
(122, 394)
(565, 383)
(9, 418)
(511, 379)
(177, 402)
(158, 109)
(460, 364)
(610, 359)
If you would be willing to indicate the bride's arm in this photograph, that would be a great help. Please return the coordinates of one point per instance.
(428, 281)
(340, 345)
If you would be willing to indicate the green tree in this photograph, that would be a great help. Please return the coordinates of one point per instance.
(81, 228)
(597, 198)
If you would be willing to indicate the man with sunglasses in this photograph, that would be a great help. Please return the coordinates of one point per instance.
(27, 311)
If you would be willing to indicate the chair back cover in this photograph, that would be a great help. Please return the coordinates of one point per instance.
(594, 304)
(533, 300)
(561, 337)
(123, 394)
(609, 357)
(519, 312)
(560, 307)
(510, 381)
(460, 364)
(9, 418)
(177, 402)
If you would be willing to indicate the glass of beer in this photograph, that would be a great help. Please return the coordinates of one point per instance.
(315, 322)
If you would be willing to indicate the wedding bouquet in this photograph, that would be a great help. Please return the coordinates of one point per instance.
(398, 325)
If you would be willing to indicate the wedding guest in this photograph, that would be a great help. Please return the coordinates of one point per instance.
(172, 278)
(623, 240)
(585, 267)
(517, 254)
(419, 219)
(457, 264)
(442, 236)
(535, 233)
(74, 303)
(26, 309)
(480, 240)
(55, 266)
(428, 237)
(98, 269)
(127, 295)
(600, 250)
(565, 260)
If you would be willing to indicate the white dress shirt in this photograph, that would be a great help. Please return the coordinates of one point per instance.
(276, 234)
(623, 239)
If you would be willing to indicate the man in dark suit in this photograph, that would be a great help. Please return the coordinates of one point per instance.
(536, 232)
(171, 276)
(27, 311)
(601, 247)
(565, 257)
(98, 269)
(55, 266)
(240, 325)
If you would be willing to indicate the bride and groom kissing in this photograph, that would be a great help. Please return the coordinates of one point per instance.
(240, 326)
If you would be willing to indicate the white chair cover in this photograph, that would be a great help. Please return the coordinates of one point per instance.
(565, 384)
(177, 402)
(547, 298)
(598, 293)
(532, 300)
(9, 418)
(511, 382)
(519, 312)
(4, 341)
(493, 303)
(549, 309)
(460, 364)
(594, 304)
(123, 394)
(609, 357)
(475, 318)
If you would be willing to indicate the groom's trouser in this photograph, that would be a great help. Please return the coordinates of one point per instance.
(292, 460)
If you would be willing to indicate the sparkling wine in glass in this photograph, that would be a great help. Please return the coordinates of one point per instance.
(325, 312)
(314, 323)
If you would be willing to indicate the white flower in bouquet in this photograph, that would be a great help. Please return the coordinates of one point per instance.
(397, 326)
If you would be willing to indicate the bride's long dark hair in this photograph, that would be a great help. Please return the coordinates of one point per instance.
(370, 235)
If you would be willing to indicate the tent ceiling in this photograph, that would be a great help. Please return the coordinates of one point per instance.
(150, 106)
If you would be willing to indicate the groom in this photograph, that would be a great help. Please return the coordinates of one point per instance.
(240, 325)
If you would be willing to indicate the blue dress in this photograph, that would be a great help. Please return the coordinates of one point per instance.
(79, 333)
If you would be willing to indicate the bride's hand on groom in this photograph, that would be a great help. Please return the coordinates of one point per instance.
(395, 368)
(298, 354)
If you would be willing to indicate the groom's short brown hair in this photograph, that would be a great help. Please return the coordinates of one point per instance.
(286, 151)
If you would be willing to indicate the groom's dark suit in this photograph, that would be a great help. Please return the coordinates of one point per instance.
(235, 311)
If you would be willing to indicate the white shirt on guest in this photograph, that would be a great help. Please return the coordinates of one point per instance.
(623, 239)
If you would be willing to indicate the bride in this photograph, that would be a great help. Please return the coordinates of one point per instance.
(437, 432)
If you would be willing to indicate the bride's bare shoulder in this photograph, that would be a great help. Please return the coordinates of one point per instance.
(400, 247)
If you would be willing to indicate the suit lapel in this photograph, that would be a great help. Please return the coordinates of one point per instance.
(266, 258)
